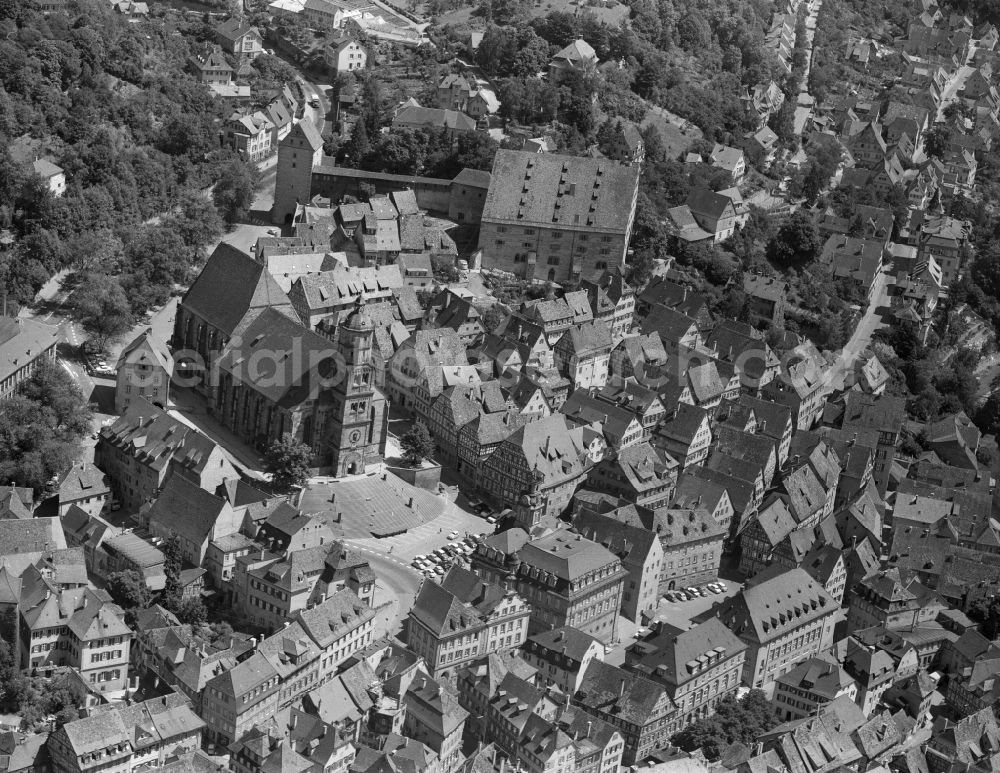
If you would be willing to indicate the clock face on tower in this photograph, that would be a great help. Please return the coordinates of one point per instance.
(355, 436)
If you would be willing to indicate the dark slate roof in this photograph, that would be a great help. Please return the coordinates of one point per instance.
(293, 371)
(615, 691)
(187, 509)
(231, 284)
(560, 190)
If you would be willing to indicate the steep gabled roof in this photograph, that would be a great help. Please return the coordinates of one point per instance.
(230, 285)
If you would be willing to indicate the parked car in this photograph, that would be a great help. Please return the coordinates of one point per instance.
(453, 535)
(491, 519)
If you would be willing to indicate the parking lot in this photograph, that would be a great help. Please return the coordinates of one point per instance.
(436, 563)
(681, 612)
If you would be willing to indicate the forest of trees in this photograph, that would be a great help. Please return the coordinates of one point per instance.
(138, 139)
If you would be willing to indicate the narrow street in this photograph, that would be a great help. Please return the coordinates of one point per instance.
(838, 377)
(803, 109)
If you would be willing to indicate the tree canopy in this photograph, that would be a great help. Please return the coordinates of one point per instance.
(288, 461)
(741, 721)
(417, 444)
(41, 427)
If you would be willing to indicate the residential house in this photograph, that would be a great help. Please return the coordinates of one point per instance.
(469, 93)
(81, 485)
(610, 292)
(765, 298)
(696, 493)
(884, 415)
(239, 38)
(638, 473)
(811, 684)
(620, 427)
(873, 670)
(946, 238)
(686, 435)
(545, 455)
(79, 627)
(194, 515)
(583, 354)
(856, 260)
(561, 656)
(730, 160)
(699, 666)
(344, 53)
(52, 175)
(578, 56)
(210, 66)
(250, 135)
(691, 540)
(714, 212)
(664, 292)
(451, 122)
(638, 707)
(435, 718)
(144, 369)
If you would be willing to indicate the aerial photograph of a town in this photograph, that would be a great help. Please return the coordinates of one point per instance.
(499, 386)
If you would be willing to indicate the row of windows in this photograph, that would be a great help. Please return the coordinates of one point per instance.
(98, 657)
(794, 644)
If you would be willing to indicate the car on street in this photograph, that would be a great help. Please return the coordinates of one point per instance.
(453, 535)
(491, 519)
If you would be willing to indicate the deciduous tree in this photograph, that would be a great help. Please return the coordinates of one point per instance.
(235, 189)
(100, 304)
(417, 444)
(288, 461)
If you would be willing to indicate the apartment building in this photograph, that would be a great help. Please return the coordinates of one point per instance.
(699, 666)
(463, 619)
(638, 707)
(141, 447)
(286, 665)
(562, 656)
(126, 738)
